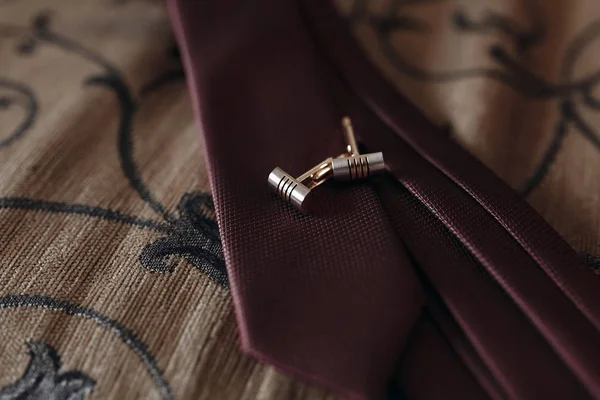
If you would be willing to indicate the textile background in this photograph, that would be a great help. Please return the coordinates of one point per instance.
(112, 278)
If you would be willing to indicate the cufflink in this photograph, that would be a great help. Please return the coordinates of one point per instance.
(295, 190)
(348, 166)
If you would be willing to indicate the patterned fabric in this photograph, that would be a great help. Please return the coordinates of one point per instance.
(112, 278)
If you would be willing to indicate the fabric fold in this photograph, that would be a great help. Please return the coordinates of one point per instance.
(333, 296)
(553, 255)
(542, 277)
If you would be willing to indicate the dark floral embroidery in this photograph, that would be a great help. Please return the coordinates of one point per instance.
(126, 335)
(514, 40)
(190, 232)
(193, 233)
(43, 381)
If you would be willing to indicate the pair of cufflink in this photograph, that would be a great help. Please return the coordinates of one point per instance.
(348, 166)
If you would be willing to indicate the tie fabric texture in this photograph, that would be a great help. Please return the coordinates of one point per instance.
(438, 271)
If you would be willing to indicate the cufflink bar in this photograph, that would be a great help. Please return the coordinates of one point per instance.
(357, 167)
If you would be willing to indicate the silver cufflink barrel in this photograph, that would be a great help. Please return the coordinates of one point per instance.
(288, 188)
(357, 167)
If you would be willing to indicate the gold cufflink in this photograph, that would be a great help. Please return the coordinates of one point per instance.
(350, 165)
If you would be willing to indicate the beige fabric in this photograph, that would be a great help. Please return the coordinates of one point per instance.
(71, 155)
(113, 320)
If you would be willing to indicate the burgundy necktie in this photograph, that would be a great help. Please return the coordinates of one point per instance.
(439, 267)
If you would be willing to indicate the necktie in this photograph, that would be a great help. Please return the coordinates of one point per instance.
(409, 267)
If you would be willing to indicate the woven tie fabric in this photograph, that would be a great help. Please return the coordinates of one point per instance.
(329, 297)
